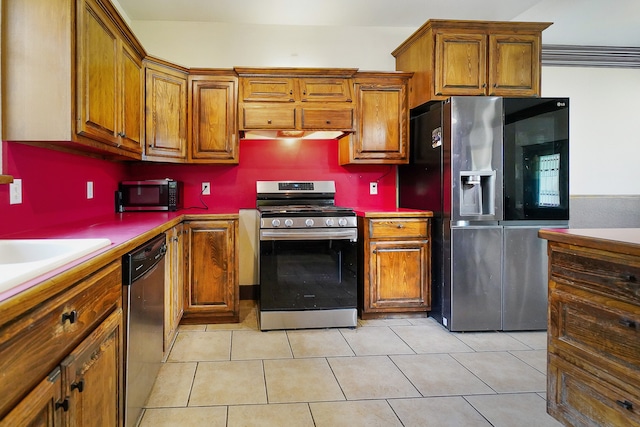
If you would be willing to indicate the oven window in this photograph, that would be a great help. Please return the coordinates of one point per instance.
(312, 274)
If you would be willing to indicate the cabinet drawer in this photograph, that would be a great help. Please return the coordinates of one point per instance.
(35, 343)
(325, 90)
(269, 118)
(578, 398)
(315, 118)
(597, 332)
(614, 275)
(267, 89)
(383, 228)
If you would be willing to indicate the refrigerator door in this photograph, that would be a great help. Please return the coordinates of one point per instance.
(525, 279)
(472, 132)
(476, 279)
(536, 158)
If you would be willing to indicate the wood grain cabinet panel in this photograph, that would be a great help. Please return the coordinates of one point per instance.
(60, 329)
(290, 99)
(174, 285)
(213, 124)
(452, 58)
(166, 113)
(212, 292)
(593, 332)
(382, 121)
(396, 258)
(80, 88)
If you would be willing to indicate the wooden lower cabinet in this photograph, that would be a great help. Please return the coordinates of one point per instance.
(92, 376)
(174, 285)
(211, 275)
(62, 361)
(593, 374)
(396, 259)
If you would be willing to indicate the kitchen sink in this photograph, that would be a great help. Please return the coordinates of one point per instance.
(24, 259)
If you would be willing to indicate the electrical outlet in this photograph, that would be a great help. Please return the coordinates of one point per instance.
(89, 189)
(373, 188)
(15, 192)
(206, 188)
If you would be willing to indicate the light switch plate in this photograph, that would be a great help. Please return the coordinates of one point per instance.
(89, 189)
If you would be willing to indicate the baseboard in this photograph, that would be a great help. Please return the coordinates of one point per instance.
(250, 292)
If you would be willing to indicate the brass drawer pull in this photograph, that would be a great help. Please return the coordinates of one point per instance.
(400, 226)
(71, 317)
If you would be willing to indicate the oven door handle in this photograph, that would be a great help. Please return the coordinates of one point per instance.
(295, 234)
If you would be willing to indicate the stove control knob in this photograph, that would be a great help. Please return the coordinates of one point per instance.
(275, 223)
(309, 222)
(288, 222)
(330, 222)
(342, 222)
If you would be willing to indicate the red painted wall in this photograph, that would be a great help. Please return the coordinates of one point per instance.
(54, 187)
(54, 183)
(264, 160)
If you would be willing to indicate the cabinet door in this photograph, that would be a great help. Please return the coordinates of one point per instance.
(399, 274)
(514, 65)
(43, 406)
(166, 114)
(213, 132)
(174, 288)
(325, 90)
(268, 89)
(212, 280)
(132, 127)
(460, 64)
(92, 377)
(381, 123)
(97, 88)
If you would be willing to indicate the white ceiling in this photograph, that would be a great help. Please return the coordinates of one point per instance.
(576, 22)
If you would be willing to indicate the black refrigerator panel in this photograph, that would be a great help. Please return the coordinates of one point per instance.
(536, 159)
(420, 182)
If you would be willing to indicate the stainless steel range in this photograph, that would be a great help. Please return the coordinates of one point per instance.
(307, 261)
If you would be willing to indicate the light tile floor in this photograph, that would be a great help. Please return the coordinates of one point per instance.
(393, 372)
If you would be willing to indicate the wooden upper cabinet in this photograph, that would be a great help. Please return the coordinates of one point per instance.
(460, 64)
(268, 89)
(109, 82)
(514, 65)
(290, 99)
(81, 85)
(213, 125)
(451, 58)
(382, 120)
(166, 112)
(325, 89)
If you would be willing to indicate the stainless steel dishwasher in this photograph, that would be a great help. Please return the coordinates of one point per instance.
(143, 306)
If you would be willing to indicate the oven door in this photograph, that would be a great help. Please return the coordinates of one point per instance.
(308, 269)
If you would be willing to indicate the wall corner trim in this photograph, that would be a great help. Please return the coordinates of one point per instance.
(590, 56)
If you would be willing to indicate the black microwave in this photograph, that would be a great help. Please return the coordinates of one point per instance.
(149, 195)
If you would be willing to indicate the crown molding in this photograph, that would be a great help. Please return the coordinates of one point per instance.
(590, 56)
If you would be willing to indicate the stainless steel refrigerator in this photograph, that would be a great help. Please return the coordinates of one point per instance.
(494, 171)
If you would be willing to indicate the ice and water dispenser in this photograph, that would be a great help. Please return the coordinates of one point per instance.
(477, 193)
